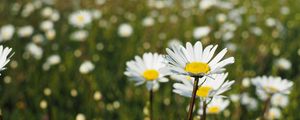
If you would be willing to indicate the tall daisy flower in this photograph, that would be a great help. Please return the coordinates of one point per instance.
(195, 60)
(145, 69)
(267, 87)
(215, 106)
(4, 57)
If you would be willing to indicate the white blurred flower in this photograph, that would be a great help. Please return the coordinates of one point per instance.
(55, 16)
(285, 10)
(279, 100)
(234, 97)
(79, 35)
(46, 25)
(256, 31)
(27, 10)
(274, 113)
(246, 82)
(125, 30)
(53, 60)
(97, 95)
(221, 18)
(38, 38)
(80, 116)
(270, 22)
(283, 63)
(200, 32)
(86, 67)
(206, 4)
(227, 36)
(80, 18)
(215, 106)
(271, 85)
(43, 104)
(97, 14)
(50, 34)
(174, 42)
(25, 31)
(7, 32)
(100, 2)
(34, 50)
(47, 12)
(248, 101)
(148, 21)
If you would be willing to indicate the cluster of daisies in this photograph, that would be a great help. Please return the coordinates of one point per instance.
(201, 74)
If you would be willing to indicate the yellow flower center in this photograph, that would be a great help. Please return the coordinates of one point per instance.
(150, 74)
(271, 89)
(203, 91)
(214, 109)
(197, 67)
(80, 18)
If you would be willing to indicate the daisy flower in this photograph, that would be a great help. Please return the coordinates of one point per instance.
(80, 18)
(211, 86)
(4, 56)
(215, 106)
(146, 69)
(271, 85)
(195, 61)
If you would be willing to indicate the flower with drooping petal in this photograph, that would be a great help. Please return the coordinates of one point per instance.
(146, 69)
(215, 106)
(272, 85)
(211, 86)
(4, 57)
(195, 61)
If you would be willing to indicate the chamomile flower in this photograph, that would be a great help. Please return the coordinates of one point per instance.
(271, 84)
(146, 69)
(274, 113)
(80, 18)
(4, 57)
(215, 106)
(211, 86)
(195, 61)
(279, 100)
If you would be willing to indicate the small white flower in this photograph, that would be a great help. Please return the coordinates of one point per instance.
(215, 106)
(148, 21)
(43, 104)
(211, 86)
(79, 35)
(270, 22)
(53, 59)
(246, 82)
(234, 97)
(200, 32)
(97, 95)
(271, 84)
(283, 63)
(146, 69)
(4, 57)
(7, 32)
(47, 12)
(174, 42)
(248, 101)
(80, 18)
(46, 25)
(206, 4)
(86, 67)
(25, 31)
(50, 34)
(279, 100)
(274, 113)
(80, 116)
(35, 50)
(195, 61)
(125, 30)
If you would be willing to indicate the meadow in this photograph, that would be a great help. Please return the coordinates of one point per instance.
(69, 56)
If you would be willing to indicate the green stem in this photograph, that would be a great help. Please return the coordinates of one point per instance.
(192, 102)
(151, 102)
(203, 117)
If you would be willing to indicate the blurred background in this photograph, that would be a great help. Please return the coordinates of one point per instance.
(70, 55)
